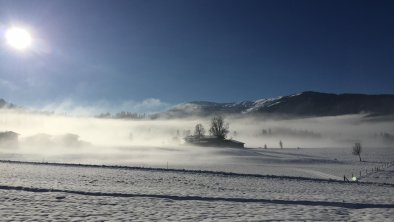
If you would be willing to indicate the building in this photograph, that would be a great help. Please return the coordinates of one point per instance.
(213, 141)
(8, 139)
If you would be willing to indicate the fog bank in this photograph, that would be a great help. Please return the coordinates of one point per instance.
(56, 135)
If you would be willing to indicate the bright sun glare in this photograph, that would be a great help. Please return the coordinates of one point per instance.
(18, 38)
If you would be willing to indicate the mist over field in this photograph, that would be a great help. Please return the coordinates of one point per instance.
(151, 140)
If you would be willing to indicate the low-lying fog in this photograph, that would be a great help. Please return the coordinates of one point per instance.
(49, 134)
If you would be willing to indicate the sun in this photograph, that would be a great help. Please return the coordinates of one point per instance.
(18, 38)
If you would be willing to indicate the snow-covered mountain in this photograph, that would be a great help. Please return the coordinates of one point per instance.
(298, 105)
(303, 104)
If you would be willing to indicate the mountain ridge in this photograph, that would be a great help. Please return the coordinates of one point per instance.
(305, 104)
(308, 103)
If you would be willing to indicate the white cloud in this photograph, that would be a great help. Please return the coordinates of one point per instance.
(150, 105)
(72, 108)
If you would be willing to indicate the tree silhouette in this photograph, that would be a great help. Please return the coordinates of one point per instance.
(218, 128)
(199, 131)
(357, 150)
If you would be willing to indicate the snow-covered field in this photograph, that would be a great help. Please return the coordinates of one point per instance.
(272, 184)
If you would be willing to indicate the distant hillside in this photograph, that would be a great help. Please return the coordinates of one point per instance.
(306, 104)
(5, 105)
(298, 105)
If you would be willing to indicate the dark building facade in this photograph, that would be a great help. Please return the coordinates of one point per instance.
(213, 141)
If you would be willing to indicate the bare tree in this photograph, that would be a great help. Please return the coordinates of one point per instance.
(199, 131)
(219, 128)
(357, 150)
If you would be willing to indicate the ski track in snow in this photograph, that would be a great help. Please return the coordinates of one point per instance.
(34, 191)
(201, 198)
(27, 206)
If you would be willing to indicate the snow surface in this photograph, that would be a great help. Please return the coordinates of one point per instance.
(261, 103)
(252, 185)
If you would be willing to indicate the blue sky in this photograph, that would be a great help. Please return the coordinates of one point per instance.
(94, 52)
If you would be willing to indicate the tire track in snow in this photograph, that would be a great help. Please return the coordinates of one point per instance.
(201, 198)
(319, 174)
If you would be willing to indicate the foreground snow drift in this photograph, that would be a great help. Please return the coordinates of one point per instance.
(64, 192)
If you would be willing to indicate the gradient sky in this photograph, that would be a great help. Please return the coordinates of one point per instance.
(121, 53)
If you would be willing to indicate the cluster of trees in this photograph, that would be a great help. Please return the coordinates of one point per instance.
(218, 128)
(124, 115)
(385, 136)
(290, 132)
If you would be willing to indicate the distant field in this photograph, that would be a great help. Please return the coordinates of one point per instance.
(326, 163)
